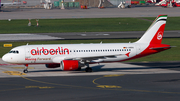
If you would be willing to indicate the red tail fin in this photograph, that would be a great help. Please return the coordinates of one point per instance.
(157, 39)
(154, 34)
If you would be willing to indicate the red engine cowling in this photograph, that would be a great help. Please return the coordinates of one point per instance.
(52, 65)
(68, 65)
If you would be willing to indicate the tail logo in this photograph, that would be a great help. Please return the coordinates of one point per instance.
(159, 36)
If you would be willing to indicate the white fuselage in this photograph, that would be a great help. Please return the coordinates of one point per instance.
(40, 54)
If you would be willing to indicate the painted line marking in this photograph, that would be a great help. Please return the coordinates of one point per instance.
(21, 67)
(14, 73)
(107, 86)
(44, 87)
(114, 75)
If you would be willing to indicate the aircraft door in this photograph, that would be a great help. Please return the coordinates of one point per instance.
(27, 52)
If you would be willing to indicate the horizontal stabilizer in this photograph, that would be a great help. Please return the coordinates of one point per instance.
(165, 47)
(154, 48)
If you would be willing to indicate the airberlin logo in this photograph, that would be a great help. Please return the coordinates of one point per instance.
(58, 50)
(159, 36)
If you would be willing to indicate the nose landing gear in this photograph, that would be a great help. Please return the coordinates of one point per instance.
(26, 68)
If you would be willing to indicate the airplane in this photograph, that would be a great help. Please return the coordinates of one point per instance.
(74, 56)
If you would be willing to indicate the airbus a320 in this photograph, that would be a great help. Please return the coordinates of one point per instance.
(74, 56)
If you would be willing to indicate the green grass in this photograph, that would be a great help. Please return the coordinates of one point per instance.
(83, 25)
(168, 55)
(70, 25)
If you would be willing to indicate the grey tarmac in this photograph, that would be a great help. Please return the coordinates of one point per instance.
(158, 81)
(89, 13)
(81, 36)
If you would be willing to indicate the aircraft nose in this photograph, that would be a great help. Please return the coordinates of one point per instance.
(5, 58)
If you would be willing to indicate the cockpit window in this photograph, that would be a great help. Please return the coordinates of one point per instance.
(14, 51)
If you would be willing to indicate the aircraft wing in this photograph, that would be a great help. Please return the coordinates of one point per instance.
(92, 57)
(88, 58)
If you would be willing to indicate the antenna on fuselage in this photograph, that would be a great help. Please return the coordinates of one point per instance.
(101, 42)
(27, 44)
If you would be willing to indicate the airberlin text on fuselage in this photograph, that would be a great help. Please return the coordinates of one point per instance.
(58, 50)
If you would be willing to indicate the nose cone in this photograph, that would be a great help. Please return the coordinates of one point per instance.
(7, 58)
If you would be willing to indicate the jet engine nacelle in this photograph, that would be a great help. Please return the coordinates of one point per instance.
(52, 65)
(68, 65)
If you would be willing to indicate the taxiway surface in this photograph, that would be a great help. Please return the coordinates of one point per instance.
(144, 87)
(157, 81)
(89, 13)
(81, 36)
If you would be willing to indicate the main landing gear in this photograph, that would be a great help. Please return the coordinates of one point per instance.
(88, 69)
(26, 68)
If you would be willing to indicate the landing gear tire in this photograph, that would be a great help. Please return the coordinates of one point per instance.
(88, 69)
(26, 68)
(25, 71)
